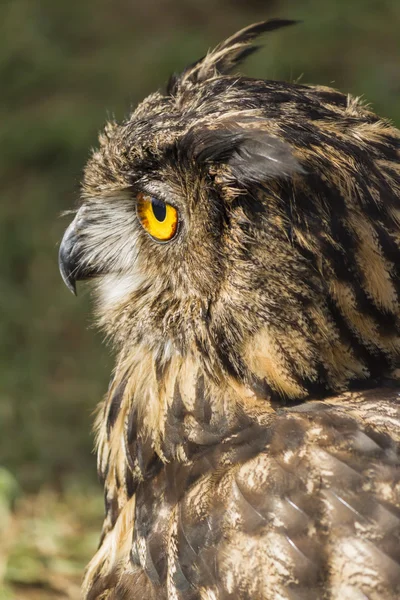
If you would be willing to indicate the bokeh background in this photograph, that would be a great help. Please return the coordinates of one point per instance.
(65, 65)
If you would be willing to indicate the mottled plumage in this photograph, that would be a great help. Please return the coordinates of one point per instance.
(249, 441)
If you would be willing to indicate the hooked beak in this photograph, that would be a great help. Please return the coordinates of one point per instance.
(70, 257)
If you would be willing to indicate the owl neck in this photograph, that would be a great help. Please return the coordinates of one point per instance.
(162, 410)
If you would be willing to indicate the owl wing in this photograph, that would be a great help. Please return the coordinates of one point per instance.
(303, 506)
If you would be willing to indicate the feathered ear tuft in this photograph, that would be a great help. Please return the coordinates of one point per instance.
(226, 56)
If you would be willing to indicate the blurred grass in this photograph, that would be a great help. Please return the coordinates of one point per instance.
(65, 66)
(48, 539)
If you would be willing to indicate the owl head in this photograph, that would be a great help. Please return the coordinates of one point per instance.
(251, 224)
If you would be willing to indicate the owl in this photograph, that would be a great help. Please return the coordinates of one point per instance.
(242, 238)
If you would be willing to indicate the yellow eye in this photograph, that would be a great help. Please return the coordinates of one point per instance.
(158, 218)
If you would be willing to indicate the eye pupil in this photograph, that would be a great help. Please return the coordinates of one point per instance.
(159, 209)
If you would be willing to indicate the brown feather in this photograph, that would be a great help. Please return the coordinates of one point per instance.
(249, 441)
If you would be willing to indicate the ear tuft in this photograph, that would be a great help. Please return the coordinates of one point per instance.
(226, 56)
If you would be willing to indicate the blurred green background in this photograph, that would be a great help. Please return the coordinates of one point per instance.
(65, 65)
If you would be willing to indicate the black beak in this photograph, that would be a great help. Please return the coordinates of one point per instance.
(69, 258)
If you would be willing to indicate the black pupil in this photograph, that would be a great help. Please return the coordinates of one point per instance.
(159, 209)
